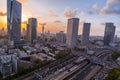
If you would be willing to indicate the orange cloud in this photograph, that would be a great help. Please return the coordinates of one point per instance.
(57, 21)
(52, 13)
(70, 13)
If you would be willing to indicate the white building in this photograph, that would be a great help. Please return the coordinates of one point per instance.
(85, 34)
(118, 60)
(5, 42)
(2, 51)
(61, 37)
(72, 32)
(8, 65)
(41, 56)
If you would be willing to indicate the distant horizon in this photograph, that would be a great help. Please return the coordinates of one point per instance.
(96, 12)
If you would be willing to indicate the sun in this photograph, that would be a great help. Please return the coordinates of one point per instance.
(4, 19)
(24, 18)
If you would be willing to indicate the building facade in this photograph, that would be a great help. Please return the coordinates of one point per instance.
(28, 34)
(85, 34)
(72, 32)
(32, 29)
(61, 37)
(14, 12)
(109, 33)
(8, 65)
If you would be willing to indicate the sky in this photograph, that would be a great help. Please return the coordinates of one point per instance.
(55, 14)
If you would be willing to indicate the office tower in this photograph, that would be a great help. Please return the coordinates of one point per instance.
(32, 25)
(109, 33)
(85, 34)
(61, 37)
(14, 20)
(72, 32)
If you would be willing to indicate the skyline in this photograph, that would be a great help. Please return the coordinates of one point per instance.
(95, 12)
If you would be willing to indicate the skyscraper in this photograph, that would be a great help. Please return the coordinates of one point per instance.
(109, 33)
(72, 32)
(14, 20)
(85, 34)
(32, 24)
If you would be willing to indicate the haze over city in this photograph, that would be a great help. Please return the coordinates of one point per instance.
(56, 12)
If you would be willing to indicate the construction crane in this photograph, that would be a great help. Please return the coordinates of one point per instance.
(43, 24)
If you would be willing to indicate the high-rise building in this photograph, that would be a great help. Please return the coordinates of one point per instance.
(61, 37)
(109, 33)
(14, 20)
(32, 29)
(85, 34)
(72, 32)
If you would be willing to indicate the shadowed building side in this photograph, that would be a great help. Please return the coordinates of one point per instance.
(85, 34)
(32, 28)
(109, 33)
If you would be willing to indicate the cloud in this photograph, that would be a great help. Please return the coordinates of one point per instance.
(90, 12)
(111, 7)
(3, 14)
(96, 6)
(70, 13)
(57, 21)
(52, 13)
(81, 13)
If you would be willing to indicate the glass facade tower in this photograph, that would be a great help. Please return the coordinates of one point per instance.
(14, 20)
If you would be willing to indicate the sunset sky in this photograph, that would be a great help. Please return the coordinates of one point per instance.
(56, 12)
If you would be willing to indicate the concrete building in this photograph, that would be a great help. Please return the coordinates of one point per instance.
(32, 29)
(14, 11)
(109, 33)
(61, 37)
(8, 65)
(85, 34)
(72, 32)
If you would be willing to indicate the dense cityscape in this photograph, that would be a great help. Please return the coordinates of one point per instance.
(27, 55)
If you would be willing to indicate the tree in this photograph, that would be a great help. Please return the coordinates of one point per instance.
(115, 55)
(113, 74)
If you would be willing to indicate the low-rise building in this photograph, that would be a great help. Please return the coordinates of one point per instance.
(8, 65)
(41, 56)
(61, 37)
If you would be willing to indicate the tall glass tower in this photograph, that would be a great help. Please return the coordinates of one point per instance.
(109, 33)
(85, 34)
(32, 24)
(14, 20)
